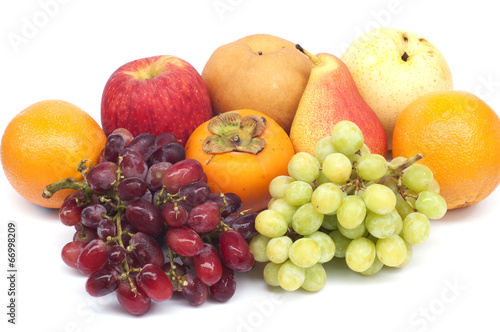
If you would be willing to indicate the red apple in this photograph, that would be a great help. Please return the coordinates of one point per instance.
(154, 95)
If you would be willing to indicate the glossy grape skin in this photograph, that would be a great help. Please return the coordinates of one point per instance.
(170, 152)
(147, 249)
(71, 251)
(235, 251)
(116, 255)
(125, 133)
(106, 228)
(145, 217)
(245, 225)
(131, 189)
(133, 164)
(231, 205)
(165, 138)
(102, 176)
(102, 282)
(184, 172)
(143, 143)
(155, 283)
(225, 288)
(195, 193)
(180, 271)
(85, 234)
(115, 143)
(207, 265)
(136, 303)
(204, 217)
(195, 291)
(174, 214)
(93, 257)
(184, 241)
(70, 212)
(92, 215)
(155, 175)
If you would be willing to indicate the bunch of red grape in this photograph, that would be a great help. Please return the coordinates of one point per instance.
(147, 224)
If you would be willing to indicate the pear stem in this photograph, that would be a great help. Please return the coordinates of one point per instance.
(314, 58)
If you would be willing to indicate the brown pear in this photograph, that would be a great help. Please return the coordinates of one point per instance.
(331, 96)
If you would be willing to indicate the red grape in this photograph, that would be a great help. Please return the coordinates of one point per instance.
(245, 225)
(195, 291)
(145, 144)
(232, 203)
(102, 177)
(174, 214)
(106, 228)
(133, 164)
(165, 138)
(207, 265)
(85, 234)
(147, 249)
(93, 257)
(71, 251)
(224, 289)
(155, 283)
(171, 152)
(136, 303)
(92, 215)
(116, 255)
(145, 217)
(195, 193)
(115, 143)
(184, 241)
(126, 134)
(70, 212)
(235, 251)
(182, 173)
(155, 175)
(204, 218)
(102, 282)
(131, 189)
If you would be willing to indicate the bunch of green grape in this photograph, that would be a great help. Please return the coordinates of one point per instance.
(344, 202)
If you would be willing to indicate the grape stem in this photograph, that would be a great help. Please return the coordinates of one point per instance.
(68, 183)
(397, 170)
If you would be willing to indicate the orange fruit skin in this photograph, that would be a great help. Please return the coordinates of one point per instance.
(459, 134)
(44, 143)
(245, 174)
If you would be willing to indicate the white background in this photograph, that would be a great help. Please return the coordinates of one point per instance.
(449, 285)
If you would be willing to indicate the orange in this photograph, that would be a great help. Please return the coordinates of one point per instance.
(44, 143)
(459, 134)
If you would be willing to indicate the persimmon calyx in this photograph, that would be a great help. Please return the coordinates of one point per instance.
(231, 132)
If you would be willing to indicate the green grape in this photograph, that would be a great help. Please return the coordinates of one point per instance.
(347, 137)
(341, 243)
(352, 212)
(380, 226)
(398, 161)
(271, 224)
(363, 151)
(277, 249)
(391, 251)
(326, 246)
(278, 185)
(353, 233)
(270, 272)
(390, 183)
(315, 278)
(379, 199)
(431, 204)
(326, 198)
(398, 221)
(416, 228)
(403, 207)
(434, 186)
(409, 255)
(304, 167)
(418, 177)
(306, 220)
(291, 276)
(281, 206)
(374, 268)
(258, 245)
(337, 168)
(323, 148)
(298, 193)
(304, 252)
(329, 222)
(322, 178)
(360, 254)
(371, 167)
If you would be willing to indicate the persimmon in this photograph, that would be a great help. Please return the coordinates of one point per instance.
(241, 152)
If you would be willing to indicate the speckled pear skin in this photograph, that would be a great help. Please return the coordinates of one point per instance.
(331, 96)
(387, 79)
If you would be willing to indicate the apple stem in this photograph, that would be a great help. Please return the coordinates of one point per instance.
(314, 58)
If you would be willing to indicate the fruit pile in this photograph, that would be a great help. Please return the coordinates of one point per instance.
(344, 202)
(143, 195)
